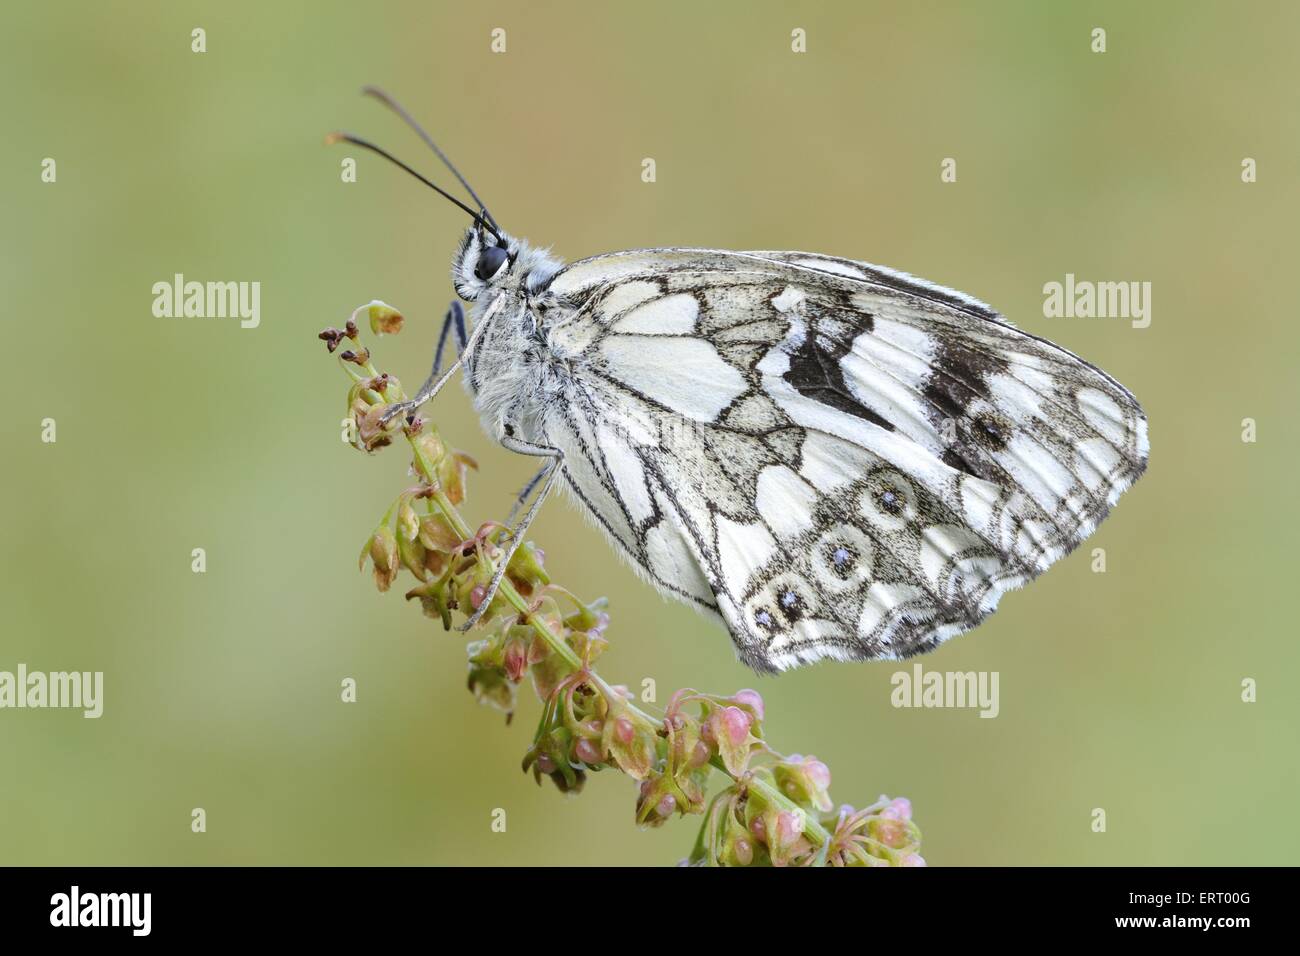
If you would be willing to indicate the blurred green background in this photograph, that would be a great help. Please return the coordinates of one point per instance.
(1118, 690)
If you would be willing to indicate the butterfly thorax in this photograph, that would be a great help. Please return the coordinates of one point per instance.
(520, 360)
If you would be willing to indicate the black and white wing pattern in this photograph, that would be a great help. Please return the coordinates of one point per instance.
(838, 460)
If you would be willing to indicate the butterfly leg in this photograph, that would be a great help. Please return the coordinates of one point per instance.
(547, 476)
(454, 319)
(525, 491)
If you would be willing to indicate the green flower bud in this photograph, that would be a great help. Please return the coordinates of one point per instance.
(656, 801)
(630, 746)
(805, 780)
(525, 568)
(433, 601)
(408, 539)
(550, 756)
(490, 685)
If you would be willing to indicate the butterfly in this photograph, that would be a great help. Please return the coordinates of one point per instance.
(833, 459)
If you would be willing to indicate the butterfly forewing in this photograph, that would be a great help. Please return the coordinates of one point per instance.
(839, 460)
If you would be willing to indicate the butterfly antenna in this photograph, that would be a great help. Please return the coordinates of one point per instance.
(341, 137)
(397, 108)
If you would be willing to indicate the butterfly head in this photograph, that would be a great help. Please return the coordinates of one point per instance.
(485, 260)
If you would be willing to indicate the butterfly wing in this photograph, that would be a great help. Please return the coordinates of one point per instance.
(839, 460)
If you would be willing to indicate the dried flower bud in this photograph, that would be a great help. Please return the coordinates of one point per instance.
(331, 337)
(371, 431)
(569, 781)
(515, 660)
(384, 319)
(382, 551)
(437, 534)
(451, 475)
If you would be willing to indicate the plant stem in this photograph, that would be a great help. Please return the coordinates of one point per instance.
(813, 830)
(392, 393)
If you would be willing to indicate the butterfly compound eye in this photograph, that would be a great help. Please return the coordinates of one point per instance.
(490, 261)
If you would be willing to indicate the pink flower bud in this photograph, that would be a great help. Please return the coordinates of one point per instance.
(903, 806)
(735, 724)
(751, 699)
(516, 660)
(744, 852)
(476, 595)
(818, 773)
(789, 827)
(545, 764)
(913, 859)
(587, 751)
(624, 730)
(891, 833)
(701, 754)
(667, 805)
(759, 829)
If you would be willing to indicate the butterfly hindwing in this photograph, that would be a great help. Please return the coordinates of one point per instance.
(839, 460)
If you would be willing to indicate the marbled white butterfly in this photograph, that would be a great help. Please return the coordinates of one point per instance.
(832, 458)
